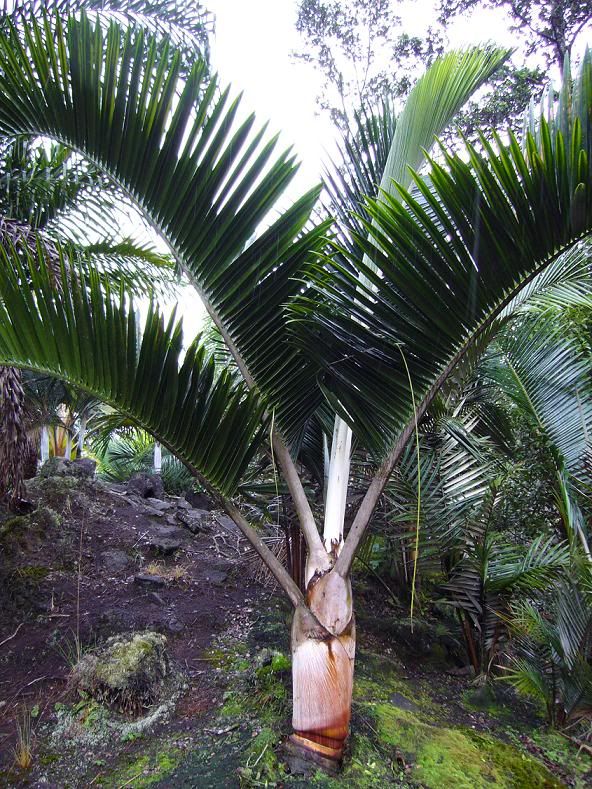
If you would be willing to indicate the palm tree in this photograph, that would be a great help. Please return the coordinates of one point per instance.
(374, 340)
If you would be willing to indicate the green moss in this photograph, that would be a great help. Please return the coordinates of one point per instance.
(262, 767)
(280, 662)
(444, 756)
(366, 767)
(11, 525)
(564, 754)
(127, 672)
(45, 518)
(228, 657)
(23, 532)
(234, 704)
(49, 758)
(127, 657)
(16, 535)
(378, 678)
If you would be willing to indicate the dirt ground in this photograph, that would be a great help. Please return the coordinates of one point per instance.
(96, 573)
(94, 561)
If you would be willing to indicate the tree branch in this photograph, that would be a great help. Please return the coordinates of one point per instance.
(281, 575)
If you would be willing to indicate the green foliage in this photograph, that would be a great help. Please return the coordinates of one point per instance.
(189, 26)
(95, 343)
(132, 451)
(436, 281)
(203, 183)
(554, 650)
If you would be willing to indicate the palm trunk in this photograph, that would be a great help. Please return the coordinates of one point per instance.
(81, 436)
(14, 443)
(157, 458)
(44, 444)
(323, 652)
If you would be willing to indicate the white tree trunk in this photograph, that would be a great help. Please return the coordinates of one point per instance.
(81, 435)
(157, 458)
(337, 483)
(68, 451)
(44, 444)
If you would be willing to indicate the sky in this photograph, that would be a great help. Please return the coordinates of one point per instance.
(251, 50)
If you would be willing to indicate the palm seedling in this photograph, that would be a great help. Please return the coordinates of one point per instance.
(552, 660)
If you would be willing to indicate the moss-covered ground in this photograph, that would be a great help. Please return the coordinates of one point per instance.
(401, 735)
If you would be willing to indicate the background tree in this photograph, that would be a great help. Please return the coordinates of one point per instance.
(546, 29)
(365, 55)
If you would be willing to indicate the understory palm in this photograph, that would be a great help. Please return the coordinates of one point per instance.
(369, 332)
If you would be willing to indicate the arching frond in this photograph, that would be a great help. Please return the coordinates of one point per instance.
(93, 340)
(205, 181)
(506, 215)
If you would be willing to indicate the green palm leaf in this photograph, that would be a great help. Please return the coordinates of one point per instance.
(435, 100)
(205, 182)
(383, 148)
(545, 373)
(435, 285)
(92, 340)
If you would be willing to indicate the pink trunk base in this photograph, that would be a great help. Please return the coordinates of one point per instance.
(304, 756)
(326, 747)
(322, 676)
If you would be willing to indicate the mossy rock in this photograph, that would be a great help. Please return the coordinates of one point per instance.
(61, 492)
(128, 673)
(23, 532)
(61, 467)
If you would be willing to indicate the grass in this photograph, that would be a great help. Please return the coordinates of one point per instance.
(23, 750)
(177, 573)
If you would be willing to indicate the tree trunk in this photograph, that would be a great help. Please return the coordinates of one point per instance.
(44, 444)
(323, 651)
(81, 436)
(14, 443)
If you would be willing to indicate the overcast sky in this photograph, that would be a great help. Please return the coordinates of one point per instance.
(252, 47)
(251, 50)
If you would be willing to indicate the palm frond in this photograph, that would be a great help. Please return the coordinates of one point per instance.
(205, 182)
(93, 341)
(506, 214)
(545, 373)
(188, 25)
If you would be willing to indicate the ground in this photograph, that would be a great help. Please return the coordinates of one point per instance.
(92, 563)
